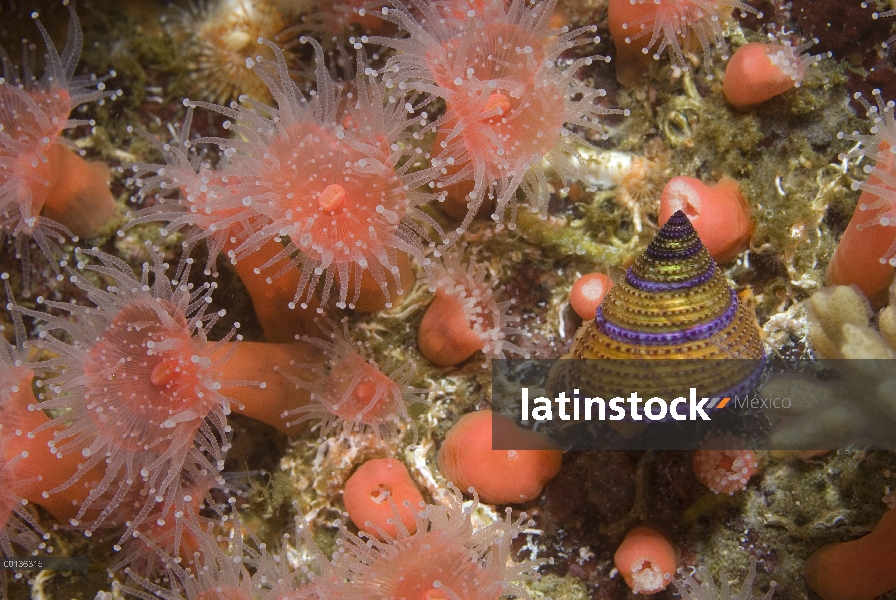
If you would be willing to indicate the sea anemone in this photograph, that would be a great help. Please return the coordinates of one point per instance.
(47, 191)
(168, 532)
(378, 492)
(866, 254)
(185, 193)
(588, 292)
(758, 72)
(246, 570)
(444, 558)
(860, 569)
(17, 526)
(329, 175)
(31, 467)
(690, 589)
(352, 393)
(465, 316)
(723, 468)
(137, 386)
(507, 99)
(18, 529)
(189, 193)
(719, 213)
(504, 463)
(674, 24)
(646, 560)
(218, 36)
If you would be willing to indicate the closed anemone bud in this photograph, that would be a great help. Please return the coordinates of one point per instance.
(465, 316)
(350, 391)
(758, 72)
(381, 498)
(646, 560)
(588, 292)
(719, 213)
(506, 476)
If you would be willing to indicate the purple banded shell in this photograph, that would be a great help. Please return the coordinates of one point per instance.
(673, 303)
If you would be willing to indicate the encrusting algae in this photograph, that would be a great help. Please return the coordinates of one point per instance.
(191, 427)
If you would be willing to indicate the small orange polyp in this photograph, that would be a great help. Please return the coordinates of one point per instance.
(751, 77)
(467, 458)
(719, 213)
(445, 337)
(646, 560)
(858, 570)
(376, 491)
(588, 292)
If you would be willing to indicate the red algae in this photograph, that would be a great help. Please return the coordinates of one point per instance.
(351, 393)
(47, 191)
(507, 100)
(138, 385)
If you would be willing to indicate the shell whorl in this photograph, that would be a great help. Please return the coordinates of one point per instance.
(672, 303)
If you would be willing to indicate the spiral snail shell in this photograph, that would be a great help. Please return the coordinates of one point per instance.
(672, 303)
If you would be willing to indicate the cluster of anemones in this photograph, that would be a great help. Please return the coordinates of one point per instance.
(318, 189)
(311, 196)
